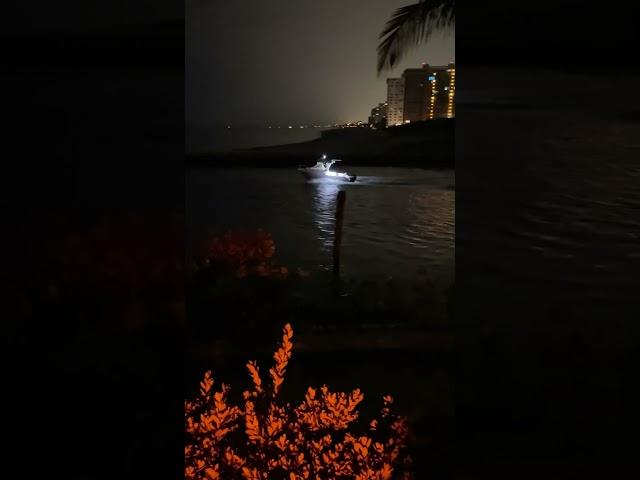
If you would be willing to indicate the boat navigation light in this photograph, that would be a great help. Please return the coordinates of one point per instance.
(324, 156)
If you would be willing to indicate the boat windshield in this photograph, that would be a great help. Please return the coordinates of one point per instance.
(324, 164)
(327, 164)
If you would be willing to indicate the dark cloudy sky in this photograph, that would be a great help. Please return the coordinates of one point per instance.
(290, 61)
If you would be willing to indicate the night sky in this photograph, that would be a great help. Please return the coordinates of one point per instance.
(38, 16)
(290, 61)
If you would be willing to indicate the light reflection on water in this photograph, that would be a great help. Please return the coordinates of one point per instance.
(324, 195)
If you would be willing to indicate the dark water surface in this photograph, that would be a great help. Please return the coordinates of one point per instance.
(398, 222)
(562, 214)
(548, 259)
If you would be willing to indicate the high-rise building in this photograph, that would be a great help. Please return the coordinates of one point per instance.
(440, 91)
(451, 91)
(395, 101)
(416, 94)
(378, 116)
(427, 93)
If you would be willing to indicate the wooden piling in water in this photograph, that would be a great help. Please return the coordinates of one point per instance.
(337, 237)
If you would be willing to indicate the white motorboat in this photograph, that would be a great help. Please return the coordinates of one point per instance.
(322, 170)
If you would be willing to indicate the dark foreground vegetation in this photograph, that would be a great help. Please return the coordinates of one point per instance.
(93, 328)
(377, 335)
(98, 302)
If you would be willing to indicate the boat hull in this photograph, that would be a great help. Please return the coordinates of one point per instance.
(311, 174)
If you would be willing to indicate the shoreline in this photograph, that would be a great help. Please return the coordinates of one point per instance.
(425, 145)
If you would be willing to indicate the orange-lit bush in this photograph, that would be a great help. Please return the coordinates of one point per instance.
(243, 254)
(262, 439)
(128, 269)
(129, 252)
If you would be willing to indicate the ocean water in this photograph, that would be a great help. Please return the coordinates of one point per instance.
(398, 222)
(549, 185)
(547, 256)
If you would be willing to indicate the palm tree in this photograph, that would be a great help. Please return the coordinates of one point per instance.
(413, 25)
